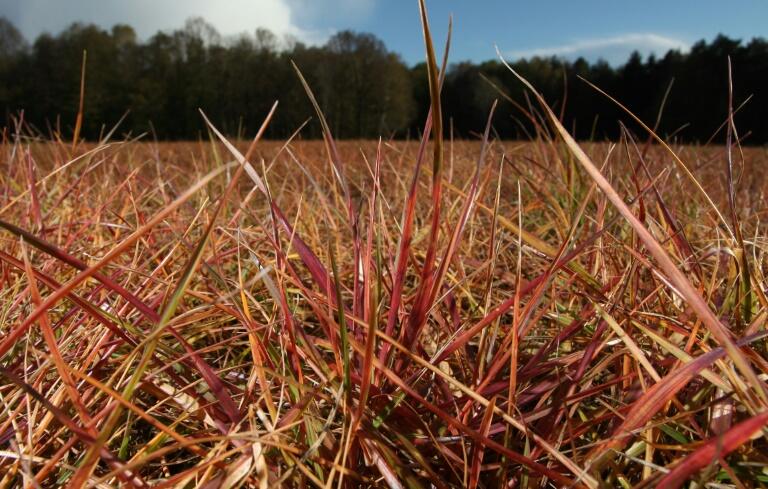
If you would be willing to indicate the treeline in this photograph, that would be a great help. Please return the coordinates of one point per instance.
(364, 89)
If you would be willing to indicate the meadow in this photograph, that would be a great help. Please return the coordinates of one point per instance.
(424, 313)
(544, 337)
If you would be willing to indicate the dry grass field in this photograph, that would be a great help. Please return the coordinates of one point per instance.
(430, 313)
(166, 320)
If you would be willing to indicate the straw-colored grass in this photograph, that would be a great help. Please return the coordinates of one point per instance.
(251, 382)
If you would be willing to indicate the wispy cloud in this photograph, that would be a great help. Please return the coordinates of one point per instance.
(614, 49)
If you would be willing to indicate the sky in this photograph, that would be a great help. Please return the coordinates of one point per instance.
(607, 29)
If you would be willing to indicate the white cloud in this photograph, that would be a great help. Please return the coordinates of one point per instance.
(149, 16)
(613, 49)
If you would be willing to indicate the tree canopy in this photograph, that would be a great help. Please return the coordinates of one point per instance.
(364, 89)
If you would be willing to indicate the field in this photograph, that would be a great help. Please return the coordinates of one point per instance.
(324, 318)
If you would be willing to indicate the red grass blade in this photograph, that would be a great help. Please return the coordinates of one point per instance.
(477, 454)
(714, 449)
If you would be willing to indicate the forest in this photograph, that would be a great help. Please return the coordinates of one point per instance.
(155, 87)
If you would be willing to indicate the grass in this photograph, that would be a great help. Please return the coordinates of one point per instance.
(328, 314)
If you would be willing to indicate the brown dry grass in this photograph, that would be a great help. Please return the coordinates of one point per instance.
(554, 352)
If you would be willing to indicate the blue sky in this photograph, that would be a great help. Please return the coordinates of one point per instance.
(569, 28)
